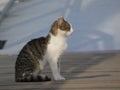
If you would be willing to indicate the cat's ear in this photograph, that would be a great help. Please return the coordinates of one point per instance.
(60, 20)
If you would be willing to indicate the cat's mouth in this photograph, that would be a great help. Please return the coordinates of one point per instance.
(70, 32)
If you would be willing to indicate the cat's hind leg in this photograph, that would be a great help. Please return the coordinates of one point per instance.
(30, 77)
(25, 77)
(42, 78)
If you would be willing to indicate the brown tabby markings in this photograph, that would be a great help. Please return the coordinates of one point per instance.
(54, 28)
(62, 24)
(27, 67)
(27, 60)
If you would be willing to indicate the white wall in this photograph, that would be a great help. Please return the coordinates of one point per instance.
(96, 23)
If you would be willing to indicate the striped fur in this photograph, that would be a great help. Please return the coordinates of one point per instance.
(27, 65)
(38, 52)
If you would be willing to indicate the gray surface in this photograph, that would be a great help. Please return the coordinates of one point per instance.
(83, 72)
(5, 5)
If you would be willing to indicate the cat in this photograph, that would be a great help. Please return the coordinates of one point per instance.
(41, 51)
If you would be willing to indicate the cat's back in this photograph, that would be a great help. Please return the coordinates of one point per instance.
(34, 48)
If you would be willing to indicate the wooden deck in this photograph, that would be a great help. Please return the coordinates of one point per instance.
(83, 72)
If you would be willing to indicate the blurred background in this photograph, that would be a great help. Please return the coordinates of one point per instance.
(96, 23)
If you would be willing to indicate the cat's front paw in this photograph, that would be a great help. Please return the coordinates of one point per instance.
(60, 78)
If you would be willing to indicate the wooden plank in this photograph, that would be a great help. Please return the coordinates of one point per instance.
(89, 85)
(83, 72)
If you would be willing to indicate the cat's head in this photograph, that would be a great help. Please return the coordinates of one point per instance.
(61, 27)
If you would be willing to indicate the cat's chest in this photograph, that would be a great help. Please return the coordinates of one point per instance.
(57, 45)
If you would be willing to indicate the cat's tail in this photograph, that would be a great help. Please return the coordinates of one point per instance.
(31, 78)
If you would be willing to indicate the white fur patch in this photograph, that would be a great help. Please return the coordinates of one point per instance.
(55, 48)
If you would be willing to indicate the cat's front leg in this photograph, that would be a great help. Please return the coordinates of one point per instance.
(55, 70)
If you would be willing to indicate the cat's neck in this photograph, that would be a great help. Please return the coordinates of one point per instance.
(58, 38)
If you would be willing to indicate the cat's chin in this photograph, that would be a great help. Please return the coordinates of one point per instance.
(69, 33)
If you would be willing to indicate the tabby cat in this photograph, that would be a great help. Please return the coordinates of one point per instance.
(38, 52)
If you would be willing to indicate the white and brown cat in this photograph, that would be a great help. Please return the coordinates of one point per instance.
(41, 51)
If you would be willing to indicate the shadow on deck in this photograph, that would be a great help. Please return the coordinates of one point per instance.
(83, 71)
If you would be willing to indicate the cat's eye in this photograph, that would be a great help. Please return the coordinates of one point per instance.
(65, 26)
